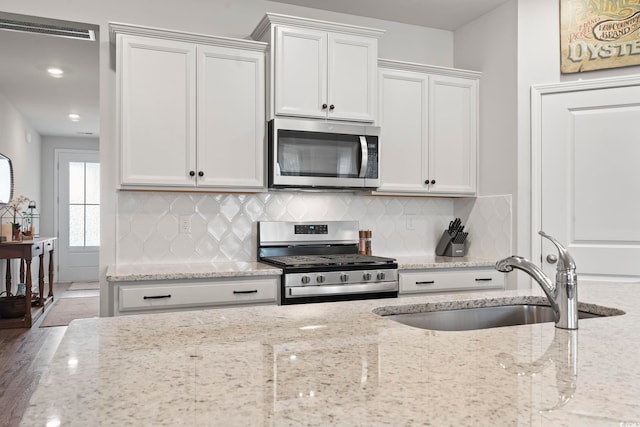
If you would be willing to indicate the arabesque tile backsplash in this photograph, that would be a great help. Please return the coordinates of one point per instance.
(223, 226)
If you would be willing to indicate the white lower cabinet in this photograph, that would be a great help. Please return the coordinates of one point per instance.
(170, 295)
(445, 280)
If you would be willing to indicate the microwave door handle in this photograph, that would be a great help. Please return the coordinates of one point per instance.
(365, 157)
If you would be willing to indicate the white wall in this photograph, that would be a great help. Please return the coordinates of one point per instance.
(489, 44)
(538, 63)
(21, 143)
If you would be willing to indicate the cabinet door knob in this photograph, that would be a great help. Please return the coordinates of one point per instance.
(192, 173)
(331, 107)
(324, 106)
(200, 173)
(433, 181)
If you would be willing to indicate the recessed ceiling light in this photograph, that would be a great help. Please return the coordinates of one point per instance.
(55, 72)
(74, 117)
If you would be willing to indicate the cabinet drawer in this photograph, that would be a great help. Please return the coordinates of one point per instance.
(177, 295)
(450, 280)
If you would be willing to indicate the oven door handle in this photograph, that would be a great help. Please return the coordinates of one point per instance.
(306, 291)
(364, 150)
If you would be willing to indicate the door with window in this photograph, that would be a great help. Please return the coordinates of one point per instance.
(78, 215)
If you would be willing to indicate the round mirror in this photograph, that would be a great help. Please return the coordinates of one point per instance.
(6, 180)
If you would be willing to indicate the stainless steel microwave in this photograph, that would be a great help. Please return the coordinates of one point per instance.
(307, 154)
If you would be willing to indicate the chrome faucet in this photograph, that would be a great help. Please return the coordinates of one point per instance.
(563, 296)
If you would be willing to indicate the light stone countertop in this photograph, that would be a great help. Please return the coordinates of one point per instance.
(185, 271)
(341, 364)
(417, 262)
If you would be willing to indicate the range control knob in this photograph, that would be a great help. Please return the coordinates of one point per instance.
(381, 275)
(320, 278)
(366, 276)
(305, 279)
(344, 277)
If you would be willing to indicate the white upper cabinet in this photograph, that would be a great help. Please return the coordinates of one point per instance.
(231, 126)
(320, 69)
(453, 134)
(157, 88)
(429, 130)
(191, 110)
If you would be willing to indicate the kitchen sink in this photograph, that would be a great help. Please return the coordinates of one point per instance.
(466, 319)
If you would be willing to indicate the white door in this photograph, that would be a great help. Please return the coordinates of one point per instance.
(230, 118)
(78, 215)
(352, 84)
(301, 72)
(453, 134)
(404, 153)
(157, 89)
(589, 178)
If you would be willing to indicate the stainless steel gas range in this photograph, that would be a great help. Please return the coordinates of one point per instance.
(321, 263)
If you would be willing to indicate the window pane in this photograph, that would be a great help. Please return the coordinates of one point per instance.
(76, 182)
(93, 226)
(93, 183)
(76, 225)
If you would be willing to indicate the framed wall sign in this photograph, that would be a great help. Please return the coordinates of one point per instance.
(599, 34)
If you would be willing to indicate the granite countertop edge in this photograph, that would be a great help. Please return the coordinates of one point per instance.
(187, 271)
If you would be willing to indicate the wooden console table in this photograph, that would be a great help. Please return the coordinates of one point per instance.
(25, 251)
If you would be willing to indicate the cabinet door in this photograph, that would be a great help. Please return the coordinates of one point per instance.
(156, 81)
(300, 72)
(352, 77)
(230, 118)
(453, 134)
(404, 137)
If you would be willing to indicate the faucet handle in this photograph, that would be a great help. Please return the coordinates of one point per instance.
(566, 261)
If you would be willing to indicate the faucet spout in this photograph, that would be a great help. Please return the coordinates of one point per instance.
(508, 264)
(563, 296)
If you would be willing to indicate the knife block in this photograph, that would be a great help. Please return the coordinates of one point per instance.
(446, 247)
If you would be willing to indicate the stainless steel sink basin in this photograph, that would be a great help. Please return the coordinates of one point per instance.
(482, 318)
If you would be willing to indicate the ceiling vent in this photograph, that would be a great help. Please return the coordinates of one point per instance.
(50, 30)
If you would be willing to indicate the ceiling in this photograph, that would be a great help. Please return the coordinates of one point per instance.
(441, 14)
(45, 102)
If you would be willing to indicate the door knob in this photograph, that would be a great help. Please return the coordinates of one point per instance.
(552, 258)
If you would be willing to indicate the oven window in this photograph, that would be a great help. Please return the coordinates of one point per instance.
(318, 154)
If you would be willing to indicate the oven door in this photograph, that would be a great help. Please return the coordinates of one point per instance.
(319, 154)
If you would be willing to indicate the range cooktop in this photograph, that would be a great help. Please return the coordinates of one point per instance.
(328, 260)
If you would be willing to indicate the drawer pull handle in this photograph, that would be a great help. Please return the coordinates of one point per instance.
(157, 296)
(428, 282)
(254, 291)
(484, 279)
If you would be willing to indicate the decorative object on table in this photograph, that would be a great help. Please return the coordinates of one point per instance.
(12, 306)
(453, 240)
(31, 227)
(601, 35)
(12, 214)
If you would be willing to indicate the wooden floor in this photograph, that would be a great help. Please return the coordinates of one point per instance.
(25, 355)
